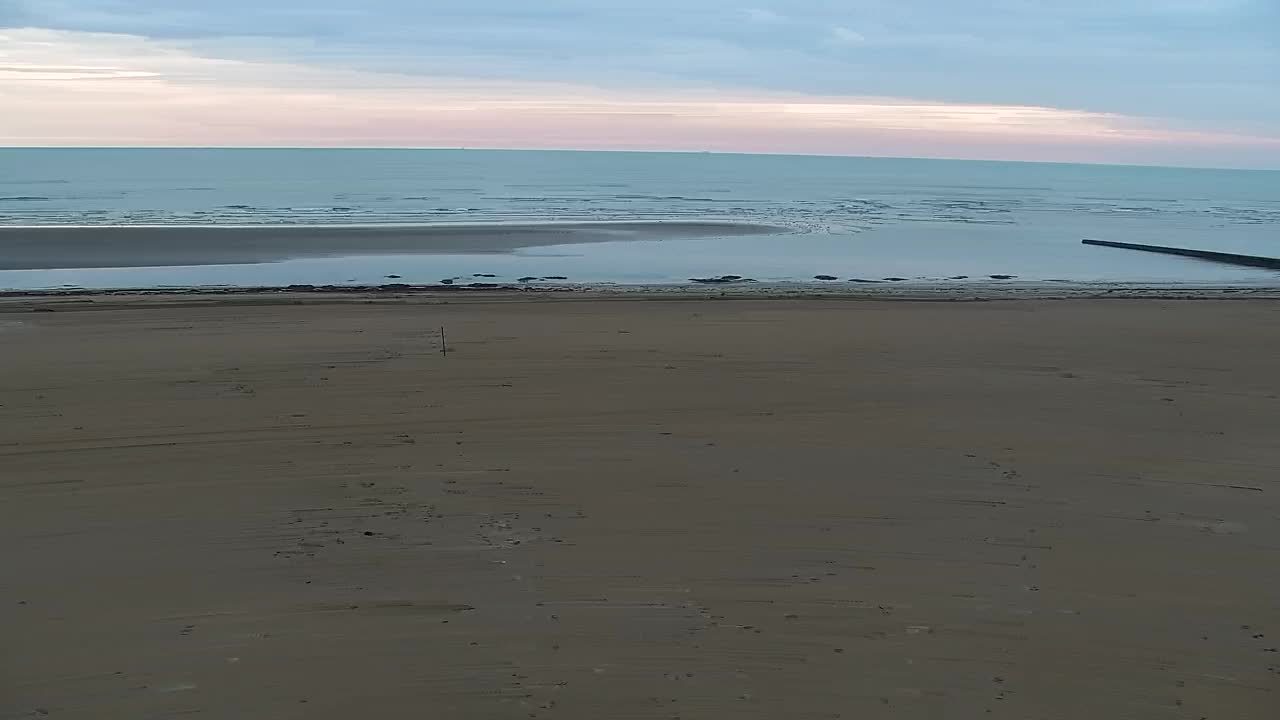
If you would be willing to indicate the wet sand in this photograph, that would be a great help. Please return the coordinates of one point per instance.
(639, 508)
(61, 246)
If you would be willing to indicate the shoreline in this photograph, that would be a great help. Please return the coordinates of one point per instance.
(29, 300)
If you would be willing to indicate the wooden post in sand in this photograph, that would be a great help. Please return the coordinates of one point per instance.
(444, 343)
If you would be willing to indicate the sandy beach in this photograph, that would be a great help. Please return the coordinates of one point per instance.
(638, 507)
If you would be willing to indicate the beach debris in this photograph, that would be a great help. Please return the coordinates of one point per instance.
(722, 280)
(825, 277)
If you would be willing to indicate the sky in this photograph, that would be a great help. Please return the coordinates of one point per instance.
(1167, 82)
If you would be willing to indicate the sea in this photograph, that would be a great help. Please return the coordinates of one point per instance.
(848, 218)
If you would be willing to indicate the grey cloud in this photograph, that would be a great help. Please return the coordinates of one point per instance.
(1129, 56)
(13, 13)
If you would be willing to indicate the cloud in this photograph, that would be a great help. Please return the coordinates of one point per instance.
(18, 73)
(1202, 64)
(844, 36)
(161, 94)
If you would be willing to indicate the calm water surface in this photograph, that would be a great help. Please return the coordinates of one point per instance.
(847, 217)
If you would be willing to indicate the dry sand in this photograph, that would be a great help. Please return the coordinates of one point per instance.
(609, 509)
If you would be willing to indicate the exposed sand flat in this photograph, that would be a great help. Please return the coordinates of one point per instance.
(641, 509)
(61, 246)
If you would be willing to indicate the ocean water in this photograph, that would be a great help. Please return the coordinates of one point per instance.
(866, 218)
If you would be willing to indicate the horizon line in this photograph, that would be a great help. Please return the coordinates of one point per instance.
(429, 148)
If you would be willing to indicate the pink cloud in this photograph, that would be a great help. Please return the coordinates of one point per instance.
(78, 89)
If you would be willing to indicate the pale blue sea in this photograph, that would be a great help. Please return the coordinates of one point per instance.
(925, 220)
